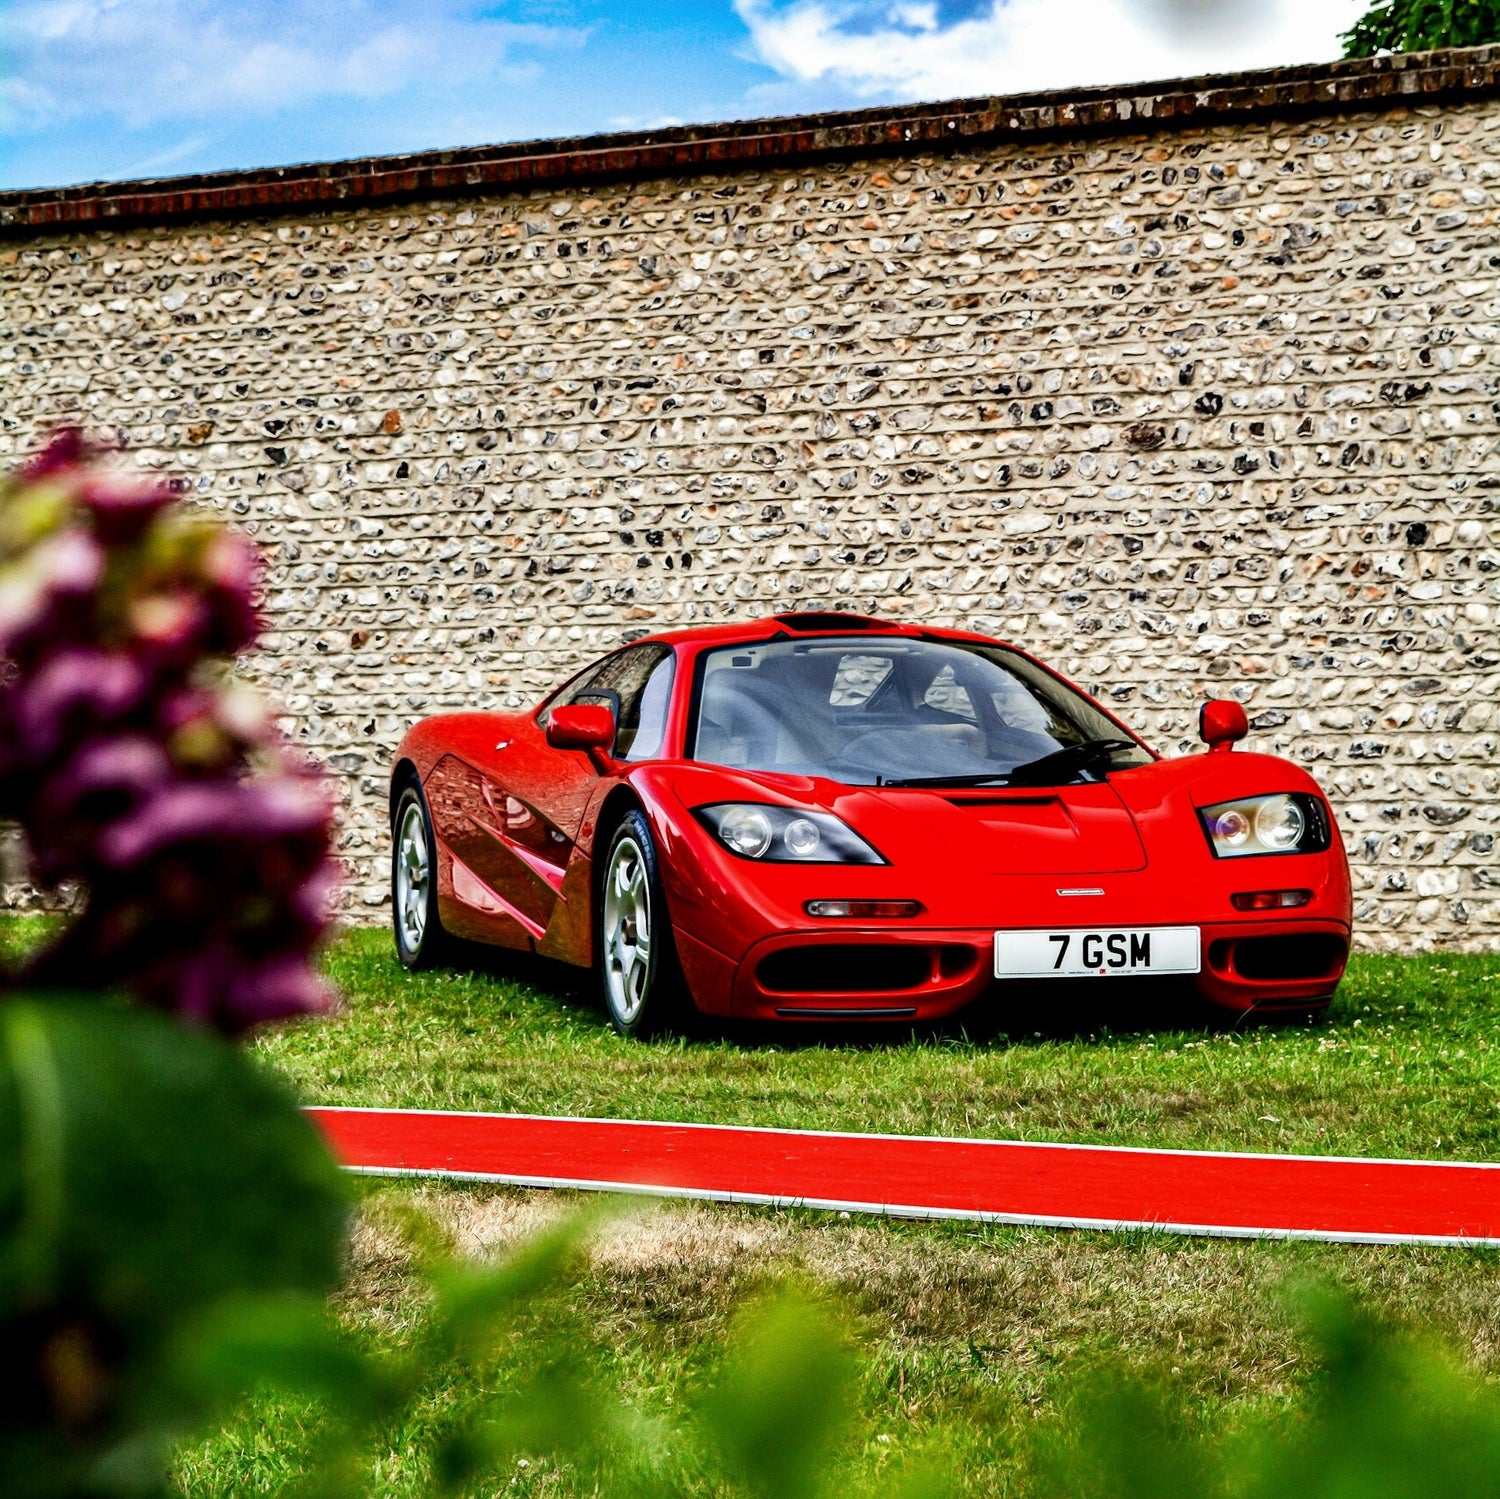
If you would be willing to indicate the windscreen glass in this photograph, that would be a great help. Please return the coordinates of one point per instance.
(884, 710)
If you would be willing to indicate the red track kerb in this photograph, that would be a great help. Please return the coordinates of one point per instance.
(1074, 1186)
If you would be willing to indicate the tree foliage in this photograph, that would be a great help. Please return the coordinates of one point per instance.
(1423, 26)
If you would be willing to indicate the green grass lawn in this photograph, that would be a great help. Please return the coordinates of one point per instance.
(972, 1339)
(1406, 1064)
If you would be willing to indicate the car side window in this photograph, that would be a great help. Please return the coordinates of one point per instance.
(651, 713)
(857, 678)
(636, 685)
(948, 695)
(572, 689)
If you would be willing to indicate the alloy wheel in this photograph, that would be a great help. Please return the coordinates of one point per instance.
(627, 931)
(413, 878)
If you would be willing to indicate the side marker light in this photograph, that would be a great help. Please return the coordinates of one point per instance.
(871, 909)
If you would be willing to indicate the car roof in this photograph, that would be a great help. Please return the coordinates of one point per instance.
(802, 624)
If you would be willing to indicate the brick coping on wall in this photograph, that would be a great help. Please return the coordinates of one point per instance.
(1358, 84)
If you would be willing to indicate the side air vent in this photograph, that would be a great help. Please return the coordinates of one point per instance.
(863, 967)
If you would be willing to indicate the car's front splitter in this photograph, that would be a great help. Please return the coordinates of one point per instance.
(918, 974)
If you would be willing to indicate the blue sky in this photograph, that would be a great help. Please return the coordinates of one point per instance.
(139, 88)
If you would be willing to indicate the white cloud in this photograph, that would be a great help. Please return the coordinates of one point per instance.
(644, 122)
(158, 161)
(145, 61)
(905, 49)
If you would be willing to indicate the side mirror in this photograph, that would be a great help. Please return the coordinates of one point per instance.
(1221, 721)
(583, 726)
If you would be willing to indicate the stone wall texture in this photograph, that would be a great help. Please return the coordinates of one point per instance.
(1203, 408)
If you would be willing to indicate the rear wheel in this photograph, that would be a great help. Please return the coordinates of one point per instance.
(638, 969)
(420, 938)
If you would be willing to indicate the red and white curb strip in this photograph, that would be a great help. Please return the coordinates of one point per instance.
(1345, 1199)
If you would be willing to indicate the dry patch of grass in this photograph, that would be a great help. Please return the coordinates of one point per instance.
(1008, 1306)
(973, 1341)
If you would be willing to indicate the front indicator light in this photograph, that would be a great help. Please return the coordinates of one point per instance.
(868, 909)
(1269, 900)
(1284, 823)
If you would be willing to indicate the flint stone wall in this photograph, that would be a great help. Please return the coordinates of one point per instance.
(1201, 409)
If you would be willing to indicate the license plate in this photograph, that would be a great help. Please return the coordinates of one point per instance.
(1097, 952)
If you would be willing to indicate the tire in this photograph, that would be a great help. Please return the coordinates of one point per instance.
(640, 979)
(421, 941)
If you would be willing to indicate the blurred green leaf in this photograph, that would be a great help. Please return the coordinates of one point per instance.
(553, 1413)
(921, 1481)
(287, 1343)
(1392, 1417)
(146, 1173)
(475, 1302)
(783, 1400)
(1127, 1441)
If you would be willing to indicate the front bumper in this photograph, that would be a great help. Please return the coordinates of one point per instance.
(873, 973)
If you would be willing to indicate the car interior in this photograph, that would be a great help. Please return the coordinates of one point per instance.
(866, 711)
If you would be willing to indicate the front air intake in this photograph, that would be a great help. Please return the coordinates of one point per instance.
(1310, 955)
(845, 968)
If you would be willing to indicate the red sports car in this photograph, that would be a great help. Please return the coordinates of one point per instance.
(823, 816)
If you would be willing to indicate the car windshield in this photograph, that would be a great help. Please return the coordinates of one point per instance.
(887, 710)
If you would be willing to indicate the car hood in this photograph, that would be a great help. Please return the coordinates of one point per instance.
(1081, 829)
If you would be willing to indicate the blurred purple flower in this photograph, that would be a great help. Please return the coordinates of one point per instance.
(45, 595)
(170, 630)
(208, 888)
(280, 986)
(101, 783)
(272, 812)
(65, 449)
(231, 569)
(122, 509)
(77, 690)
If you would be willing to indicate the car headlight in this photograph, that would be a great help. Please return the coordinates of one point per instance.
(785, 835)
(1287, 823)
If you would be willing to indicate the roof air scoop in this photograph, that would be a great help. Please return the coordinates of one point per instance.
(816, 621)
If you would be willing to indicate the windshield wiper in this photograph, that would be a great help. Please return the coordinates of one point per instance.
(989, 778)
(1067, 761)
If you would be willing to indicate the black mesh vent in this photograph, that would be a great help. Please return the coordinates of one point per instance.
(818, 621)
(1312, 955)
(840, 968)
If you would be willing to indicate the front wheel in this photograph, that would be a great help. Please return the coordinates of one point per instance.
(637, 960)
(420, 938)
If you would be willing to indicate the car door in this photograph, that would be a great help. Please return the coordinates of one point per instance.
(539, 794)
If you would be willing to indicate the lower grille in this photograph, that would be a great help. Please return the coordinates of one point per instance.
(846, 968)
(1310, 955)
